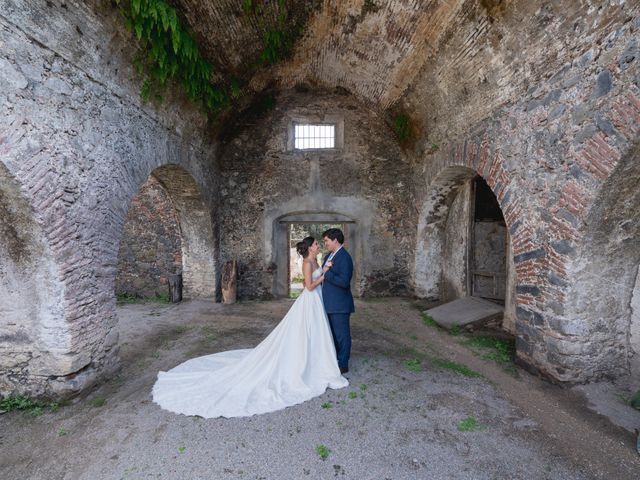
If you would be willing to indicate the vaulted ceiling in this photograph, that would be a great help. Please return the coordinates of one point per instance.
(446, 63)
(374, 48)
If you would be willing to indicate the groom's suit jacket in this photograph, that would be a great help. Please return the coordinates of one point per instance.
(336, 288)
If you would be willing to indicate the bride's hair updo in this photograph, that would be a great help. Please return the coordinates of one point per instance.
(303, 247)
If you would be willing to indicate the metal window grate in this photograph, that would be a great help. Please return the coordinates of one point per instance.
(314, 136)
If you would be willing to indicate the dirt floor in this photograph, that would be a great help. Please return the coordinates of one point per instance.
(422, 404)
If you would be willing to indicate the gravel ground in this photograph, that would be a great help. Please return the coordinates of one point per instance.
(400, 418)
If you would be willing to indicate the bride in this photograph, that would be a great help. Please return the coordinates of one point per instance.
(296, 362)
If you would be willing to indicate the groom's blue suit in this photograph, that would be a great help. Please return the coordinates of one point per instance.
(338, 302)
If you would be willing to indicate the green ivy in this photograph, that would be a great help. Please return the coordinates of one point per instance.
(277, 42)
(402, 127)
(170, 51)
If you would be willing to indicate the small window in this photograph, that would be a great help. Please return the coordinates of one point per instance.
(314, 136)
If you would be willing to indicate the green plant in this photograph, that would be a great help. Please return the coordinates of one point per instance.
(35, 412)
(170, 51)
(62, 432)
(326, 405)
(363, 387)
(98, 402)
(458, 368)
(182, 449)
(401, 126)
(500, 350)
(455, 330)
(469, 424)
(413, 365)
(353, 395)
(369, 6)
(126, 298)
(277, 42)
(27, 405)
(251, 7)
(634, 401)
(428, 320)
(161, 298)
(323, 451)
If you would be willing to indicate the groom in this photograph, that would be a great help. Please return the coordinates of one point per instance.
(336, 293)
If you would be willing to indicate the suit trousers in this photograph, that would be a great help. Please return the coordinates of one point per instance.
(341, 332)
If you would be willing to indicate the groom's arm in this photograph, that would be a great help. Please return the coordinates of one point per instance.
(341, 276)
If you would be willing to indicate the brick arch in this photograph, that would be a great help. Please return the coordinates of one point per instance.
(199, 250)
(450, 170)
(34, 335)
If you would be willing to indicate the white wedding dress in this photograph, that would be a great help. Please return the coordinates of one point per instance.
(296, 362)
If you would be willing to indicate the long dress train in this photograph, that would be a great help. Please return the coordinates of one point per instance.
(296, 362)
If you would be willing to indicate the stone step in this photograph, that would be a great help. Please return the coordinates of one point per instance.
(465, 311)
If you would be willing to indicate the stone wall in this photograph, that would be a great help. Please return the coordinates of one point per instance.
(367, 182)
(151, 245)
(456, 246)
(77, 143)
(547, 152)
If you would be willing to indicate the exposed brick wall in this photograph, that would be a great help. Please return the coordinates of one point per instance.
(151, 247)
(78, 140)
(546, 161)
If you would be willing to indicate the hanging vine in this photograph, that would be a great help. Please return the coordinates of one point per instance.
(277, 41)
(169, 51)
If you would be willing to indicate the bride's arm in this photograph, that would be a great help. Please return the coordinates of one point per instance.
(307, 270)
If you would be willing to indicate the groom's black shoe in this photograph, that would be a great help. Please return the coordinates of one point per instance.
(344, 370)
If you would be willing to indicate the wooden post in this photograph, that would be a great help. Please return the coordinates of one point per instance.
(229, 283)
(175, 288)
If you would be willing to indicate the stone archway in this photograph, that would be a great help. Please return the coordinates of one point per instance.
(600, 325)
(197, 261)
(445, 250)
(34, 336)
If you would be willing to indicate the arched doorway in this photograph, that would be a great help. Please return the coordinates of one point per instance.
(168, 231)
(463, 247)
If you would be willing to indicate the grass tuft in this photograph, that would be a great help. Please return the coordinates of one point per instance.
(413, 365)
(428, 320)
(98, 402)
(455, 367)
(500, 350)
(326, 405)
(27, 405)
(469, 424)
(323, 451)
